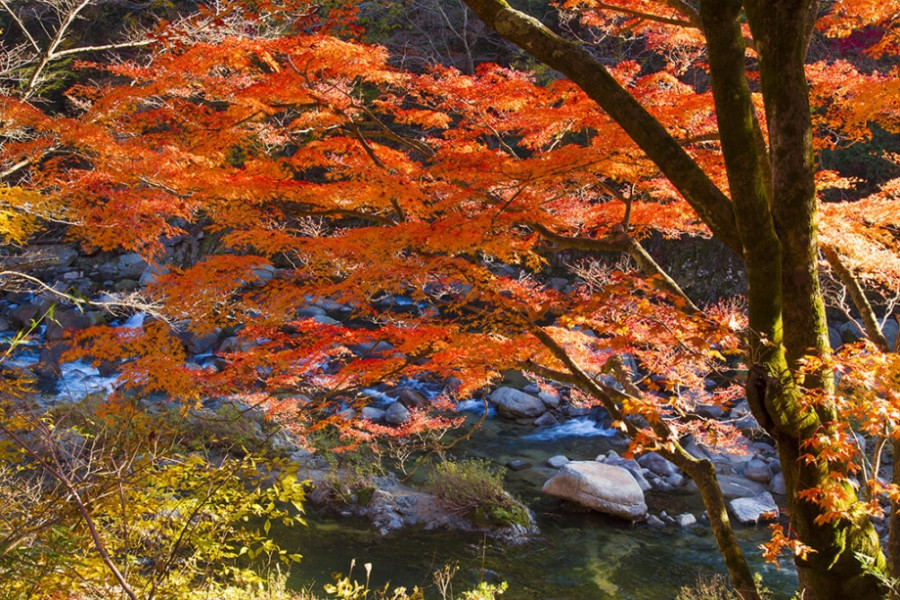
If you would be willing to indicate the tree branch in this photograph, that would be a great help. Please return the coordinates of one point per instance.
(622, 242)
(870, 321)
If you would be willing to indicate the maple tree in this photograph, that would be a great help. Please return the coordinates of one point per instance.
(431, 207)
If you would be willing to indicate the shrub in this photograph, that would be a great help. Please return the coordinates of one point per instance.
(474, 488)
(707, 587)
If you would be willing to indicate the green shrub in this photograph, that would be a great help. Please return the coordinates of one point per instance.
(474, 489)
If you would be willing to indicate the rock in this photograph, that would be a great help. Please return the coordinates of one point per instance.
(517, 464)
(126, 285)
(890, 331)
(108, 368)
(22, 315)
(655, 522)
(199, 344)
(372, 414)
(235, 343)
(63, 256)
(150, 274)
(735, 486)
(601, 487)
(546, 420)
(676, 480)
(710, 411)
(311, 311)
(513, 404)
(834, 338)
(264, 273)
(325, 320)
(371, 349)
(557, 461)
(850, 332)
(396, 414)
(411, 399)
(778, 486)
(130, 266)
(685, 520)
(631, 465)
(757, 470)
(66, 319)
(751, 510)
(550, 399)
(657, 464)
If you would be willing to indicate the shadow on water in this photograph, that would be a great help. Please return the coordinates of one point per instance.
(578, 556)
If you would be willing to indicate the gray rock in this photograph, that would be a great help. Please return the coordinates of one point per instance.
(601, 487)
(890, 331)
(655, 522)
(310, 311)
(325, 320)
(517, 464)
(850, 332)
(834, 338)
(657, 464)
(372, 414)
(735, 486)
(62, 256)
(396, 414)
(151, 273)
(676, 480)
(199, 344)
(758, 470)
(710, 411)
(778, 486)
(685, 520)
(64, 320)
(264, 273)
(380, 348)
(22, 315)
(752, 510)
(513, 404)
(130, 266)
(557, 461)
(550, 399)
(638, 476)
(237, 344)
(411, 399)
(546, 420)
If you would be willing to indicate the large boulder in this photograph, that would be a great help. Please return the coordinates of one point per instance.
(751, 511)
(515, 404)
(604, 488)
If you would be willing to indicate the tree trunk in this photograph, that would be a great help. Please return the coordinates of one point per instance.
(704, 475)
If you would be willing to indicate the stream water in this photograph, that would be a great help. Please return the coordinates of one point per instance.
(578, 556)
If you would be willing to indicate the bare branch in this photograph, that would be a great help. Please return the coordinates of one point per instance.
(870, 321)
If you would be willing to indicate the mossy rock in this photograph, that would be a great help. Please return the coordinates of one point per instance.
(501, 516)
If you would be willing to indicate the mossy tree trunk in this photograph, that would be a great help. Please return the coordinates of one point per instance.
(770, 220)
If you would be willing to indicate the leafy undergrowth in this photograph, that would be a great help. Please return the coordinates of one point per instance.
(474, 488)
